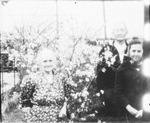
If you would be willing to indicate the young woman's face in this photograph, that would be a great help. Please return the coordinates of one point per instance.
(136, 52)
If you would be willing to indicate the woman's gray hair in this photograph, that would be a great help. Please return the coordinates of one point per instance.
(45, 52)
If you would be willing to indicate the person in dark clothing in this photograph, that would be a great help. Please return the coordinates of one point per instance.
(130, 83)
(111, 56)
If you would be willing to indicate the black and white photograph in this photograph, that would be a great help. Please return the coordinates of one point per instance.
(71, 61)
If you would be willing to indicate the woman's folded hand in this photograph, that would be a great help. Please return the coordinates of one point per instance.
(139, 114)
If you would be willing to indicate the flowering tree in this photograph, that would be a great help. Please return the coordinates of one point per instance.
(76, 60)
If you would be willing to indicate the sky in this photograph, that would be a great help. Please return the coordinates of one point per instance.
(84, 15)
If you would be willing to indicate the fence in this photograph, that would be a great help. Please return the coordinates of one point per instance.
(8, 73)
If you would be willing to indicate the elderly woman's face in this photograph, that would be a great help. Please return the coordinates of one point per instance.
(47, 63)
(120, 32)
(136, 52)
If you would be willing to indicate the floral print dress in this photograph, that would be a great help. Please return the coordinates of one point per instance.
(45, 99)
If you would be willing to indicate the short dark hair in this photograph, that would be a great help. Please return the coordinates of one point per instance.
(135, 40)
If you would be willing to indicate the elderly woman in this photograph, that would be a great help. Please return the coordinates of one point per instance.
(43, 95)
(130, 84)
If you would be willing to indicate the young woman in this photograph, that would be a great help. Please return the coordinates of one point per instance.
(43, 95)
(130, 84)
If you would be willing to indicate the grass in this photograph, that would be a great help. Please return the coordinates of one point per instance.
(15, 116)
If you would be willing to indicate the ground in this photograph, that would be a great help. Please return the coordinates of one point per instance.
(16, 116)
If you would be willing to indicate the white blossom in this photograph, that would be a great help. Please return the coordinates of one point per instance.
(98, 94)
(102, 91)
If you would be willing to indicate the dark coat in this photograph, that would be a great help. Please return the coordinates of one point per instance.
(106, 79)
(130, 86)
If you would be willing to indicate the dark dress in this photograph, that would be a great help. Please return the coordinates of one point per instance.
(130, 86)
(106, 70)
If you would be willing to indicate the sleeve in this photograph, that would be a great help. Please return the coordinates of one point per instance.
(67, 89)
(27, 89)
(100, 80)
(100, 70)
(118, 90)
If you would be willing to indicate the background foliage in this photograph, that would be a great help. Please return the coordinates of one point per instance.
(77, 57)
